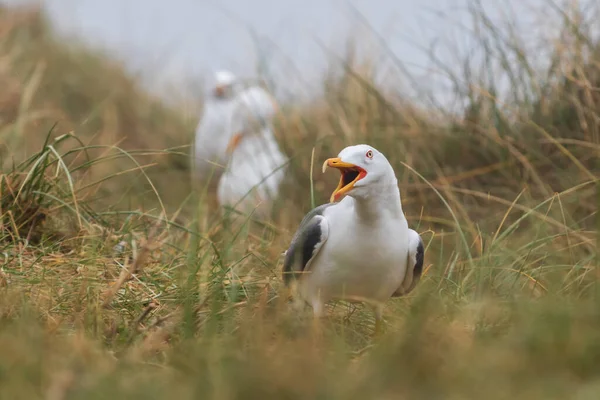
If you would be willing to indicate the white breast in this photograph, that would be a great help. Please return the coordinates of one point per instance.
(213, 134)
(255, 168)
(358, 261)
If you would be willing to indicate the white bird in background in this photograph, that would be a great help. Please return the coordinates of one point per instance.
(215, 129)
(256, 166)
(359, 249)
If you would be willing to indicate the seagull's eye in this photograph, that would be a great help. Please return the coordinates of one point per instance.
(369, 154)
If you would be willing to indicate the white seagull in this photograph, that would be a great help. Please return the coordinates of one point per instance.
(256, 165)
(215, 129)
(359, 249)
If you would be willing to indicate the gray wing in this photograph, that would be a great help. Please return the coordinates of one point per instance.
(414, 267)
(308, 239)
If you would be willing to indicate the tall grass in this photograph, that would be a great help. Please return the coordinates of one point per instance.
(116, 282)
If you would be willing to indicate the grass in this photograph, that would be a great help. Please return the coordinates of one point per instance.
(115, 282)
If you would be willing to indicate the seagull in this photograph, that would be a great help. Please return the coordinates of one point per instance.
(256, 165)
(360, 248)
(214, 131)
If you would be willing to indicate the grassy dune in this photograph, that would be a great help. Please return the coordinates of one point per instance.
(116, 282)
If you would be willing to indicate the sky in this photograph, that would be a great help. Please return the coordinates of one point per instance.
(173, 43)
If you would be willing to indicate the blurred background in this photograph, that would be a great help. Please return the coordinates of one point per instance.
(116, 56)
(171, 44)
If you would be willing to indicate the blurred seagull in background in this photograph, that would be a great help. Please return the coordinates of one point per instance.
(360, 248)
(214, 131)
(256, 165)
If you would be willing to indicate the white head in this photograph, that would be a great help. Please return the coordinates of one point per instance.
(364, 171)
(225, 82)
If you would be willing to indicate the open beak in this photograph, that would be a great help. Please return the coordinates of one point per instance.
(234, 142)
(350, 175)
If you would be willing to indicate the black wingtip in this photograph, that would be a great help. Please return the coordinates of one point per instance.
(418, 270)
(303, 245)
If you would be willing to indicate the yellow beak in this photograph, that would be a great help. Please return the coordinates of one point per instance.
(234, 142)
(350, 175)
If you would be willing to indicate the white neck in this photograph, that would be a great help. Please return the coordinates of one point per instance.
(383, 202)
